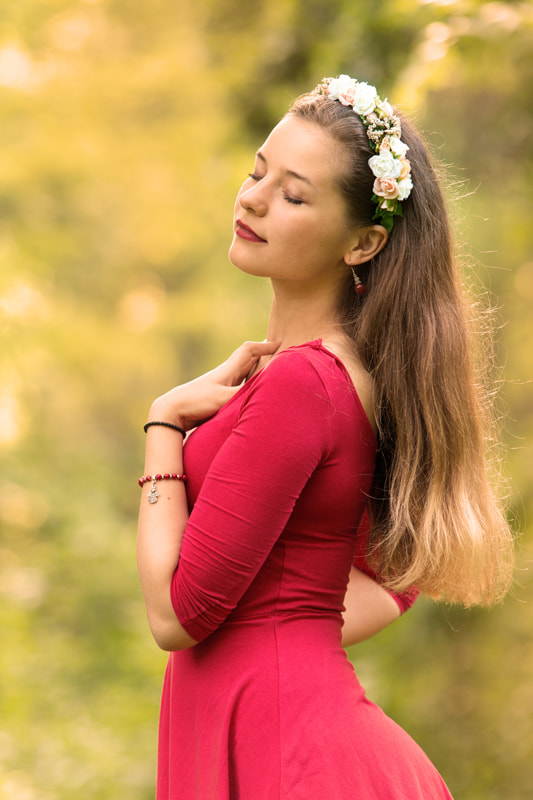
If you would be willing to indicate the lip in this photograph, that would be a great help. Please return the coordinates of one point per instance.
(245, 232)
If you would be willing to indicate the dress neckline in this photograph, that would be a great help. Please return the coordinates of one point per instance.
(317, 344)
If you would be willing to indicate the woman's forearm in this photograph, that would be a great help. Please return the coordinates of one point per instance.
(162, 524)
(369, 608)
(160, 531)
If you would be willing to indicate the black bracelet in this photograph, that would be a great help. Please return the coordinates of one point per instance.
(166, 425)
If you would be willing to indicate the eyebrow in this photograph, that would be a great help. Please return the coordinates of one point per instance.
(290, 172)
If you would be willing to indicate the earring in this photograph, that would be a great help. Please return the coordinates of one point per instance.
(358, 284)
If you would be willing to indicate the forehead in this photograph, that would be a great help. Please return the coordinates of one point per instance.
(305, 148)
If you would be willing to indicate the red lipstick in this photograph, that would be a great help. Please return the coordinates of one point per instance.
(245, 232)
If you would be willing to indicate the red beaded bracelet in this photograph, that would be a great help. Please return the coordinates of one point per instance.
(161, 476)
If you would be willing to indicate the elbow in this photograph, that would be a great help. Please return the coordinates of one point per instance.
(170, 643)
(170, 635)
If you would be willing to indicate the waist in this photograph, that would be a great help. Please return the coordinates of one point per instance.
(310, 631)
(242, 616)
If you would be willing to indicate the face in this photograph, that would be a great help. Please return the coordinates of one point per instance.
(290, 219)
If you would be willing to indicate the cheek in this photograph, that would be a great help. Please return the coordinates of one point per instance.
(319, 245)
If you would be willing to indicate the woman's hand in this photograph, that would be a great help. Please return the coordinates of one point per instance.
(191, 403)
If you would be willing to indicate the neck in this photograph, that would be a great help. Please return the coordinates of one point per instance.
(299, 317)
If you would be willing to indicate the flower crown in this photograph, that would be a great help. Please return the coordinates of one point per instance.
(389, 166)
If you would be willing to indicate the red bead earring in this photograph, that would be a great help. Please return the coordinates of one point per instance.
(358, 284)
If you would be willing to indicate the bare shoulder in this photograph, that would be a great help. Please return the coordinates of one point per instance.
(361, 378)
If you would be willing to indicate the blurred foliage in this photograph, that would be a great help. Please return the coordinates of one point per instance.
(125, 129)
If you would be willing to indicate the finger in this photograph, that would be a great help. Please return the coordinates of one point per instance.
(258, 349)
(247, 355)
(249, 352)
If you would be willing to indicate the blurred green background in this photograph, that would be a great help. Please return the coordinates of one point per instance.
(125, 130)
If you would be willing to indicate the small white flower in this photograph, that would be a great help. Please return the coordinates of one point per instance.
(364, 99)
(385, 165)
(398, 147)
(404, 187)
(340, 85)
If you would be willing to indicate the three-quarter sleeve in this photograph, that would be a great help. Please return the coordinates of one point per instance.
(404, 599)
(249, 492)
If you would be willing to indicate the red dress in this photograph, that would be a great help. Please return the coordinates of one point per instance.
(267, 706)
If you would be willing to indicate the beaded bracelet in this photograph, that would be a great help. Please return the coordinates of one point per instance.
(166, 425)
(161, 476)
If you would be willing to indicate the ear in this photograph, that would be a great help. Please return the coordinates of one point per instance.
(367, 244)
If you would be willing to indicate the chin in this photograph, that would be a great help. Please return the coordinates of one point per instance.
(244, 261)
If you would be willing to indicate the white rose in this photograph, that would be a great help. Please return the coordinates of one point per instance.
(404, 188)
(398, 147)
(339, 86)
(385, 165)
(364, 99)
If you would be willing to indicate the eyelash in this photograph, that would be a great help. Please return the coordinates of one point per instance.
(287, 197)
(293, 200)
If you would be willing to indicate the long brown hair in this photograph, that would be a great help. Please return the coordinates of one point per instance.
(437, 523)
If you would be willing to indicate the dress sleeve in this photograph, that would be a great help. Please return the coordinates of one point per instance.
(405, 599)
(281, 436)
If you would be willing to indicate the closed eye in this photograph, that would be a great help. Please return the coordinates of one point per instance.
(293, 200)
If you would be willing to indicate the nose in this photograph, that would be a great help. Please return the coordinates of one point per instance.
(253, 199)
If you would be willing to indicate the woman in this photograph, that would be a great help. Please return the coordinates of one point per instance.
(360, 404)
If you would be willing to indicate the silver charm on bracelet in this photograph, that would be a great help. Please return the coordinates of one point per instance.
(154, 494)
(166, 476)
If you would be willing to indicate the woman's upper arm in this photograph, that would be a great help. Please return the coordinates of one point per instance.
(249, 492)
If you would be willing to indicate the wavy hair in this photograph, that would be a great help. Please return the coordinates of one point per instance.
(437, 523)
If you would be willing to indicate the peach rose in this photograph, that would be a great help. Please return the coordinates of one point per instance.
(406, 168)
(385, 107)
(387, 188)
(347, 97)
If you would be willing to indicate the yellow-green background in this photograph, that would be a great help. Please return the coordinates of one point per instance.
(125, 130)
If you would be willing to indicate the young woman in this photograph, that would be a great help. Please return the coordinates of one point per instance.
(353, 435)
